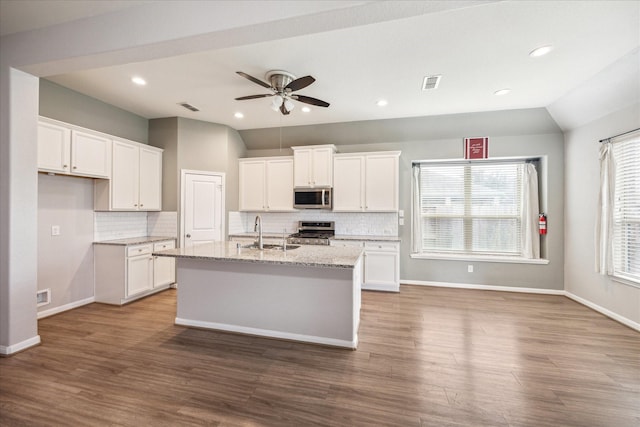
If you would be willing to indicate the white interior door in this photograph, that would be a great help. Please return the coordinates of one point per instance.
(202, 207)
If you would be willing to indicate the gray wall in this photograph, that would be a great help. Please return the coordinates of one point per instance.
(582, 170)
(59, 103)
(443, 136)
(65, 262)
(196, 145)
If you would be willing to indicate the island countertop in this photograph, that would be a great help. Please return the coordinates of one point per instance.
(304, 255)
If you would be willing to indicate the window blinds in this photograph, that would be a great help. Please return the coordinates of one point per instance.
(626, 207)
(472, 208)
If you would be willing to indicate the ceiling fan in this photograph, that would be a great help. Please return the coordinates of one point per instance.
(282, 86)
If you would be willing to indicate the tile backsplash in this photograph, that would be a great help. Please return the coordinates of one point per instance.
(358, 223)
(122, 225)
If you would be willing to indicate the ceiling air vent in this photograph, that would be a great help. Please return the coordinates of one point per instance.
(431, 82)
(188, 106)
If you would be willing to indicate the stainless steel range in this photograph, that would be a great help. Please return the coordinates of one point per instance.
(313, 233)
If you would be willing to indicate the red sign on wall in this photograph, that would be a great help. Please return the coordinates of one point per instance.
(476, 148)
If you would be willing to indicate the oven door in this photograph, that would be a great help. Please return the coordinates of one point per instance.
(312, 198)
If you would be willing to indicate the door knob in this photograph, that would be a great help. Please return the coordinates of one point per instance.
(188, 236)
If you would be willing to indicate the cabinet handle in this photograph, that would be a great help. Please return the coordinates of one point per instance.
(141, 205)
(64, 166)
(135, 204)
(188, 236)
(75, 167)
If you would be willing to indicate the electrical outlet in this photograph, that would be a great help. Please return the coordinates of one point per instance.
(401, 221)
(55, 230)
(470, 268)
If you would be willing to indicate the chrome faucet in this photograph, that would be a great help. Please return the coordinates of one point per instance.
(258, 227)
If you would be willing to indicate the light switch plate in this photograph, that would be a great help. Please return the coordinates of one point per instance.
(401, 213)
(55, 230)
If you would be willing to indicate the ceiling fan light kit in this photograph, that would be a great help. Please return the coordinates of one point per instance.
(282, 85)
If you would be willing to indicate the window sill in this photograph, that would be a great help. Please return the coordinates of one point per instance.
(502, 259)
(625, 281)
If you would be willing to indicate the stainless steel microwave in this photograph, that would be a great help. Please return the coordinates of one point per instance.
(312, 198)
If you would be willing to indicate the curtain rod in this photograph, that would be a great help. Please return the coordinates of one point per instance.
(616, 136)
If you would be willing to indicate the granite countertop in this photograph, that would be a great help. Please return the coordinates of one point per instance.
(304, 255)
(134, 240)
(366, 238)
(374, 238)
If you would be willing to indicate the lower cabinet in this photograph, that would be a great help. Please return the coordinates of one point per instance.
(126, 273)
(381, 264)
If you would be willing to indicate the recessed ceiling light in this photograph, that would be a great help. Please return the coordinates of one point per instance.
(238, 115)
(541, 51)
(382, 103)
(502, 92)
(306, 109)
(139, 81)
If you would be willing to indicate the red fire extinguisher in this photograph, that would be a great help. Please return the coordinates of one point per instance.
(542, 224)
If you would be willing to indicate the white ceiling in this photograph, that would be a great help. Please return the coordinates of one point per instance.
(478, 49)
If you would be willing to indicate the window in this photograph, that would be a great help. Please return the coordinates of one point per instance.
(626, 207)
(480, 208)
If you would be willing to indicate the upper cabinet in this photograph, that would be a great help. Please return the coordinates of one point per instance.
(136, 179)
(65, 149)
(313, 166)
(266, 184)
(366, 182)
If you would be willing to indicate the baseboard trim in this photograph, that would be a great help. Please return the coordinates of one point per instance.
(610, 314)
(268, 333)
(15, 348)
(66, 307)
(621, 319)
(484, 287)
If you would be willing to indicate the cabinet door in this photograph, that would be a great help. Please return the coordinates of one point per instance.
(381, 268)
(54, 148)
(279, 183)
(302, 167)
(90, 155)
(348, 184)
(164, 268)
(381, 183)
(139, 274)
(150, 188)
(124, 178)
(322, 167)
(252, 185)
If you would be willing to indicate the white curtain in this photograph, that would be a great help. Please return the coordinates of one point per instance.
(416, 227)
(604, 215)
(530, 209)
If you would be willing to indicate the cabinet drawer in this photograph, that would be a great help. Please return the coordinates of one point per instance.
(382, 246)
(163, 246)
(346, 243)
(139, 250)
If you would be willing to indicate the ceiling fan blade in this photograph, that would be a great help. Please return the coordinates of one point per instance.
(242, 98)
(310, 100)
(253, 79)
(284, 110)
(300, 83)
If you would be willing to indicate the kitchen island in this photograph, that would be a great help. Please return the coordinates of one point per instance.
(309, 294)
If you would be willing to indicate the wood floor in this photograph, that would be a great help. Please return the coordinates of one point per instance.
(427, 357)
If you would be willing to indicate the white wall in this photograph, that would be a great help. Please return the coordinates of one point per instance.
(65, 262)
(582, 180)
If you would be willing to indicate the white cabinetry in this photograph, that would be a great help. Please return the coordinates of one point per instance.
(366, 182)
(65, 149)
(266, 184)
(164, 268)
(125, 273)
(313, 166)
(381, 264)
(136, 179)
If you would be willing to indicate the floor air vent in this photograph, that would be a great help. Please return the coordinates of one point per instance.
(43, 297)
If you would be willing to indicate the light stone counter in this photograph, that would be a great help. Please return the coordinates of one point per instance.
(134, 240)
(302, 256)
(366, 238)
